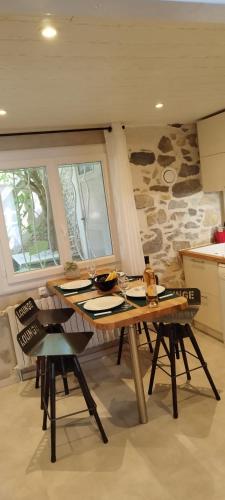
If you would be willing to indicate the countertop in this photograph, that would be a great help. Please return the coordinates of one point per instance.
(215, 252)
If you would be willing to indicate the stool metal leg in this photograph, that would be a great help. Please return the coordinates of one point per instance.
(88, 398)
(46, 396)
(154, 360)
(38, 361)
(202, 361)
(100, 426)
(173, 368)
(64, 377)
(52, 411)
(177, 350)
(139, 328)
(122, 332)
(156, 326)
(42, 373)
(148, 336)
(83, 385)
(163, 342)
(185, 358)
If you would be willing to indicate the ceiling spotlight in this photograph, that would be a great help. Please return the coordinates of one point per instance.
(159, 105)
(3, 112)
(49, 32)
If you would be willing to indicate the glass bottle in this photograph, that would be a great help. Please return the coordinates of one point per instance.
(147, 270)
(150, 284)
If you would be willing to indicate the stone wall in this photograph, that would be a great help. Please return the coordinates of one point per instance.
(173, 211)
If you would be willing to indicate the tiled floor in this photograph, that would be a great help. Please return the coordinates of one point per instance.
(165, 459)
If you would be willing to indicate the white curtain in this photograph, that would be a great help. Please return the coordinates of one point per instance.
(131, 253)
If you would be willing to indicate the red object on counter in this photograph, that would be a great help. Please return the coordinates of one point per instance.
(219, 236)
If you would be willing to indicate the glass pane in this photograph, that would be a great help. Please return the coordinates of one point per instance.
(86, 210)
(28, 218)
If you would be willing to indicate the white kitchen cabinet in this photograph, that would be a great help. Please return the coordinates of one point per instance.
(211, 140)
(203, 274)
(213, 173)
(211, 135)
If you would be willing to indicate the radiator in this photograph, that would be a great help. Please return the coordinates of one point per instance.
(76, 323)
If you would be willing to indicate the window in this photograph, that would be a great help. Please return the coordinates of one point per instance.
(86, 210)
(52, 210)
(28, 218)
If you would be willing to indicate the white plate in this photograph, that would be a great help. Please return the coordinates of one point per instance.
(103, 303)
(75, 285)
(139, 291)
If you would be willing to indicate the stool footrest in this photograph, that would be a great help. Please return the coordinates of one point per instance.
(179, 374)
(146, 343)
(67, 395)
(69, 414)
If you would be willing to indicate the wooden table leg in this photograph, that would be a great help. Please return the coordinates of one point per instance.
(132, 336)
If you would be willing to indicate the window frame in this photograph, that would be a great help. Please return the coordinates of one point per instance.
(51, 159)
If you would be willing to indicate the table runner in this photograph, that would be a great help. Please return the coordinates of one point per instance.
(141, 302)
(115, 310)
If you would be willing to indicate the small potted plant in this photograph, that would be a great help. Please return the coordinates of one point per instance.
(71, 269)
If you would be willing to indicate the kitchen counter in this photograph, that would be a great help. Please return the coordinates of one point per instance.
(204, 268)
(214, 252)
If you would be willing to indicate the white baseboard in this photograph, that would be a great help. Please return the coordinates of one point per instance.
(209, 331)
(12, 379)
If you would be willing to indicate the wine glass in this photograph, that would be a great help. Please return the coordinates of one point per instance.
(91, 268)
(123, 284)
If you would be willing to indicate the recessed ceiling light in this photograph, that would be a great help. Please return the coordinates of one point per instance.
(49, 32)
(3, 112)
(159, 105)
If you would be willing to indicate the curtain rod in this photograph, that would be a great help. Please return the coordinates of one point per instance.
(211, 114)
(41, 132)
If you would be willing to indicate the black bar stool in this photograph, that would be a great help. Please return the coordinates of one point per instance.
(176, 328)
(34, 341)
(51, 319)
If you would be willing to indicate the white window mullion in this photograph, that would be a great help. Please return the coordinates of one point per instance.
(8, 265)
(58, 211)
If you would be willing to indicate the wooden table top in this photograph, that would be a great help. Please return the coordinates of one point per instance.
(124, 318)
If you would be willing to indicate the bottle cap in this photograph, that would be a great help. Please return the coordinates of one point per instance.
(146, 257)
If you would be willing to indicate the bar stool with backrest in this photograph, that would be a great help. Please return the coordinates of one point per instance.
(176, 327)
(51, 319)
(35, 341)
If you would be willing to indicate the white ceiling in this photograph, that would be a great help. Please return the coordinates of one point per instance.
(101, 70)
